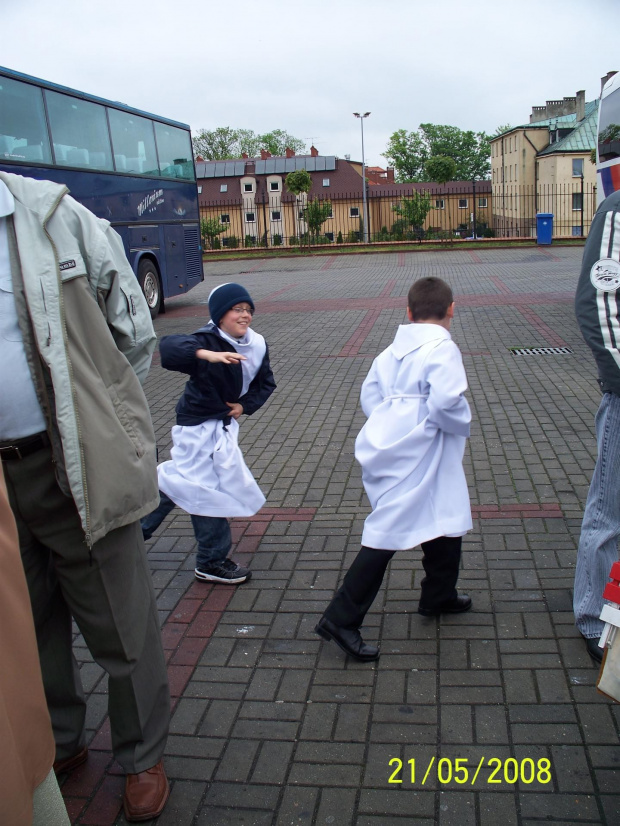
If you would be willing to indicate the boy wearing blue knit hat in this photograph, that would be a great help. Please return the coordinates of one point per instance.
(229, 374)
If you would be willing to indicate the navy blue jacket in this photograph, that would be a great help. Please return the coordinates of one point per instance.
(598, 310)
(210, 386)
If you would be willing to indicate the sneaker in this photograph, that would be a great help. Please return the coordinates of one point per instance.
(226, 571)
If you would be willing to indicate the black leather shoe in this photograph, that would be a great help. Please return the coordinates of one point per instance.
(350, 640)
(458, 605)
(593, 649)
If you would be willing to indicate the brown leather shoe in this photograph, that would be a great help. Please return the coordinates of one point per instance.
(146, 793)
(70, 763)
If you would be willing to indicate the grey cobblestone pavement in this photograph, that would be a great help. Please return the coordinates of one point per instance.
(487, 718)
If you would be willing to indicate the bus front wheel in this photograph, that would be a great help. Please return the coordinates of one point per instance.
(148, 278)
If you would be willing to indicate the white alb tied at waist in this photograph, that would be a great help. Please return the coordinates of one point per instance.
(207, 475)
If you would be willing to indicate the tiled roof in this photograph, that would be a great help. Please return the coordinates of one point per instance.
(581, 139)
(583, 136)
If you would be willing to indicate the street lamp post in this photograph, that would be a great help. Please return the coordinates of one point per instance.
(364, 204)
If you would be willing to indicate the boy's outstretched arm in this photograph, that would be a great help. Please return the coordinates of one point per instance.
(448, 408)
(180, 352)
(214, 357)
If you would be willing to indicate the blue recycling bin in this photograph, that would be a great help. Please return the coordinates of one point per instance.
(544, 227)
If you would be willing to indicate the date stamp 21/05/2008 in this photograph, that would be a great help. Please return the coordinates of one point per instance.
(446, 770)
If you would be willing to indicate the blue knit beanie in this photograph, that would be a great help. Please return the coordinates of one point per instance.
(225, 296)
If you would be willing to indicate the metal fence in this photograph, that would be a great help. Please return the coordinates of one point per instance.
(453, 212)
(515, 208)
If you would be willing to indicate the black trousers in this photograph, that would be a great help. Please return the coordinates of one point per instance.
(441, 561)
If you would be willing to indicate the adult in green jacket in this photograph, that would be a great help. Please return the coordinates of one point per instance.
(78, 453)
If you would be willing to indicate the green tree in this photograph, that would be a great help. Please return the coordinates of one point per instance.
(210, 228)
(226, 143)
(298, 183)
(216, 144)
(504, 127)
(278, 140)
(440, 169)
(408, 152)
(471, 151)
(315, 214)
(414, 210)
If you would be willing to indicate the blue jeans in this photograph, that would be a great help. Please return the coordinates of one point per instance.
(600, 529)
(212, 532)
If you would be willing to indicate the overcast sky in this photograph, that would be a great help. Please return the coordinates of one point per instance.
(305, 68)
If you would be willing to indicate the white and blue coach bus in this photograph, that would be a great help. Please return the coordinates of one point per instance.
(132, 168)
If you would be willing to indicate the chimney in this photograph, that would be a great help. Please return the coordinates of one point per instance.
(264, 154)
(390, 175)
(290, 153)
(606, 78)
(245, 156)
(314, 151)
(581, 105)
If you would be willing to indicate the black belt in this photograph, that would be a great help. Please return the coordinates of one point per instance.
(20, 448)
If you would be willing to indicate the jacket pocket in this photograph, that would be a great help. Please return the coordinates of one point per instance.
(125, 418)
(71, 265)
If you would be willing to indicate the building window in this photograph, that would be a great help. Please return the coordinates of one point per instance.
(354, 212)
(331, 212)
(576, 201)
(325, 181)
(250, 217)
(274, 186)
(577, 167)
(200, 190)
(224, 219)
(576, 230)
(248, 187)
(276, 215)
(462, 203)
(440, 203)
(223, 187)
(482, 203)
(329, 236)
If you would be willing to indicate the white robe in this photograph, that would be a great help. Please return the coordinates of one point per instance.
(411, 447)
(206, 474)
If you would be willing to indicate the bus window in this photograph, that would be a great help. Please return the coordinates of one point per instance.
(133, 142)
(23, 133)
(175, 152)
(79, 132)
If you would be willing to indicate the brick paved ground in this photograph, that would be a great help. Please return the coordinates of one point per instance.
(272, 726)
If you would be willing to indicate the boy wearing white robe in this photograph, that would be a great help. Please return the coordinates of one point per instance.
(411, 452)
(229, 374)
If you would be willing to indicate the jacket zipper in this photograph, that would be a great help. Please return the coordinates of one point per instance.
(87, 531)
